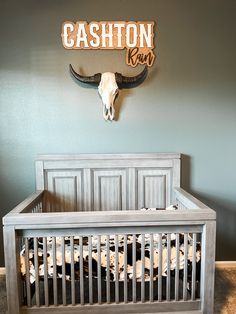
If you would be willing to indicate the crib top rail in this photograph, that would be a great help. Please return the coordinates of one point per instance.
(126, 156)
(26, 206)
(189, 201)
(195, 213)
(112, 218)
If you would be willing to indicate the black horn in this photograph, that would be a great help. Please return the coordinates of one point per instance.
(92, 80)
(132, 81)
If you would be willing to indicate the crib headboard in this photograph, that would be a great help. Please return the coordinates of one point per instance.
(108, 181)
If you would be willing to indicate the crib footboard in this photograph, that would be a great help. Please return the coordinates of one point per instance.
(111, 262)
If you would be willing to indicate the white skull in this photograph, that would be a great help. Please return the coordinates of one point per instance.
(108, 86)
(108, 90)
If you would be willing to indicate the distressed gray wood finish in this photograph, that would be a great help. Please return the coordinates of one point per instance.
(108, 270)
(125, 269)
(108, 182)
(168, 266)
(72, 271)
(12, 270)
(36, 266)
(45, 262)
(28, 293)
(81, 271)
(190, 307)
(112, 185)
(208, 266)
(65, 190)
(177, 269)
(194, 267)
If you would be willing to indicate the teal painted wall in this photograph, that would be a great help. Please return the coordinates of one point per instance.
(187, 104)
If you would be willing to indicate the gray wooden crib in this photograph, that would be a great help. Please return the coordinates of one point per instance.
(81, 244)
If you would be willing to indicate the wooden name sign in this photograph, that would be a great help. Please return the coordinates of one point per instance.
(136, 37)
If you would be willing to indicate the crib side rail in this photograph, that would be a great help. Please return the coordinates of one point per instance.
(19, 224)
(187, 201)
(111, 218)
(31, 204)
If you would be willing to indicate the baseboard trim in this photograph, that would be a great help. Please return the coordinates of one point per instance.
(2, 271)
(225, 264)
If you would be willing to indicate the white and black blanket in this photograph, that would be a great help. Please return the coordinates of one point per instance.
(112, 260)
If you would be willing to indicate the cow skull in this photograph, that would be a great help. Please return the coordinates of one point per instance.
(108, 90)
(108, 86)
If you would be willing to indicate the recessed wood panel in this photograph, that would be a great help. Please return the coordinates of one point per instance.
(152, 188)
(110, 189)
(108, 181)
(65, 190)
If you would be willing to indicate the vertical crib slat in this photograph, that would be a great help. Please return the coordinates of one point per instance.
(27, 269)
(45, 263)
(23, 292)
(55, 299)
(194, 267)
(168, 267)
(185, 266)
(90, 270)
(81, 270)
(63, 270)
(134, 268)
(159, 267)
(151, 269)
(41, 207)
(143, 268)
(116, 270)
(99, 269)
(36, 267)
(108, 268)
(72, 270)
(177, 268)
(125, 269)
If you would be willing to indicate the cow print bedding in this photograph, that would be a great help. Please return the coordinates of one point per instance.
(112, 268)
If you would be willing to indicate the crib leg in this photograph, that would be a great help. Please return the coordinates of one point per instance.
(208, 267)
(12, 270)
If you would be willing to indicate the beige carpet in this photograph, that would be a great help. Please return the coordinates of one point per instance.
(225, 292)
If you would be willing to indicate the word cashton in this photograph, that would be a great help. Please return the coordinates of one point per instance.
(112, 35)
